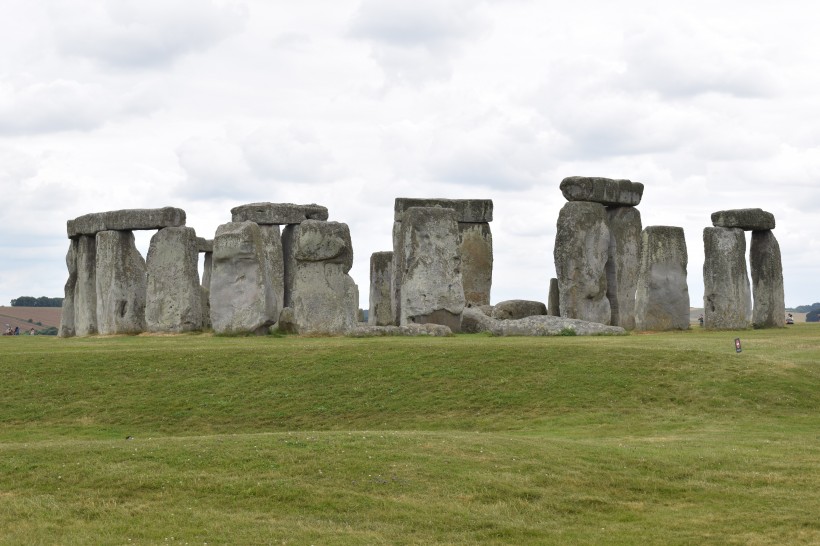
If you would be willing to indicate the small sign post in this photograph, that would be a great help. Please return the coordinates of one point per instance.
(737, 345)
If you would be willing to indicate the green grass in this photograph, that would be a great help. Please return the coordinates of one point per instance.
(663, 439)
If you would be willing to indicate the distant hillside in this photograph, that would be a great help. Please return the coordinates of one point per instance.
(27, 318)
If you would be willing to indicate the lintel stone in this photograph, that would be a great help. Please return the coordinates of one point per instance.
(125, 220)
(473, 211)
(745, 219)
(609, 192)
(204, 245)
(278, 213)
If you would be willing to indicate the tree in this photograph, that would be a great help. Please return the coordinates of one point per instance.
(42, 301)
(813, 316)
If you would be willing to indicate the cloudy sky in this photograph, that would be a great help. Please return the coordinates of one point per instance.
(209, 104)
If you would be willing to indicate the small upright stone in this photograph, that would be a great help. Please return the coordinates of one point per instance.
(727, 299)
(605, 191)
(381, 271)
(745, 219)
(767, 281)
(174, 295)
(120, 284)
(662, 297)
(581, 250)
(278, 213)
(553, 301)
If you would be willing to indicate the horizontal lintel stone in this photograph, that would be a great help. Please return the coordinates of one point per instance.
(606, 191)
(745, 219)
(125, 220)
(467, 210)
(278, 214)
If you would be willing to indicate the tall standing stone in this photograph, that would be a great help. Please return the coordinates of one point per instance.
(85, 296)
(324, 298)
(120, 287)
(67, 314)
(174, 295)
(476, 251)
(242, 298)
(581, 251)
(662, 297)
(623, 264)
(273, 248)
(431, 285)
(767, 281)
(206, 248)
(727, 299)
(381, 271)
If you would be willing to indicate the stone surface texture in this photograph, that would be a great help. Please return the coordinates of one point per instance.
(242, 297)
(272, 239)
(125, 220)
(431, 285)
(174, 294)
(120, 280)
(727, 298)
(381, 273)
(605, 191)
(623, 264)
(745, 219)
(410, 330)
(518, 309)
(662, 297)
(85, 295)
(767, 281)
(67, 314)
(467, 210)
(554, 299)
(476, 251)
(278, 213)
(581, 253)
(474, 321)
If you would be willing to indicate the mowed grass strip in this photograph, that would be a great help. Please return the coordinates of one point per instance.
(664, 438)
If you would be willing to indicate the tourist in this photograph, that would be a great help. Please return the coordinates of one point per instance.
(16, 330)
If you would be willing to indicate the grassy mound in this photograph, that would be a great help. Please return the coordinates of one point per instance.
(666, 438)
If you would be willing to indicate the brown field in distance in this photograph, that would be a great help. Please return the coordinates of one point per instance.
(20, 316)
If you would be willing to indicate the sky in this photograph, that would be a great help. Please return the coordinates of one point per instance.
(209, 104)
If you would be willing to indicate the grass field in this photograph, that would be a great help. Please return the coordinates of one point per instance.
(667, 438)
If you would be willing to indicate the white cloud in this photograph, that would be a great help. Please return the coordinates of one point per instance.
(16, 167)
(214, 167)
(288, 155)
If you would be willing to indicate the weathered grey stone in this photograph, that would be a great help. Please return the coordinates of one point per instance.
(623, 264)
(767, 281)
(288, 261)
(518, 309)
(85, 295)
(745, 219)
(431, 285)
(120, 284)
(605, 191)
(581, 251)
(324, 298)
(287, 322)
(207, 268)
(539, 325)
(67, 314)
(398, 268)
(275, 256)
(727, 299)
(381, 272)
(475, 247)
(411, 330)
(554, 298)
(467, 210)
(204, 245)
(174, 295)
(662, 297)
(278, 213)
(242, 296)
(125, 220)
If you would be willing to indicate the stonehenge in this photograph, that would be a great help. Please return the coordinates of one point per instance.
(287, 267)
(728, 301)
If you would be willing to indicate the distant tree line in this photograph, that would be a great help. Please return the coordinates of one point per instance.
(806, 308)
(42, 301)
(813, 316)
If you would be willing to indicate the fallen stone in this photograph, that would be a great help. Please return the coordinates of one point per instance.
(767, 281)
(120, 286)
(475, 247)
(623, 264)
(174, 294)
(605, 191)
(541, 325)
(410, 330)
(381, 271)
(278, 213)
(67, 314)
(467, 210)
(125, 220)
(727, 298)
(581, 253)
(518, 309)
(745, 219)
(662, 296)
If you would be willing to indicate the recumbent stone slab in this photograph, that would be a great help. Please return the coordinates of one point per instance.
(518, 309)
(278, 213)
(126, 220)
(605, 191)
(745, 219)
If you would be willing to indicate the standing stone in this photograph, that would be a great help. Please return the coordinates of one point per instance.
(727, 299)
(431, 285)
(396, 274)
(273, 247)
(206, 247)
(120, 284)
(381, 271)
(67, 314)
(553, 301)
(85, 296)
(662, 297)
(581, 250)
(174, 295)
(324, 298)
(242, 298)
(476, 251)
(623, 264)
(767, 281)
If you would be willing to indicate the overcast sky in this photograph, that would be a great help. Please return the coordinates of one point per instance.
(206, 105)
